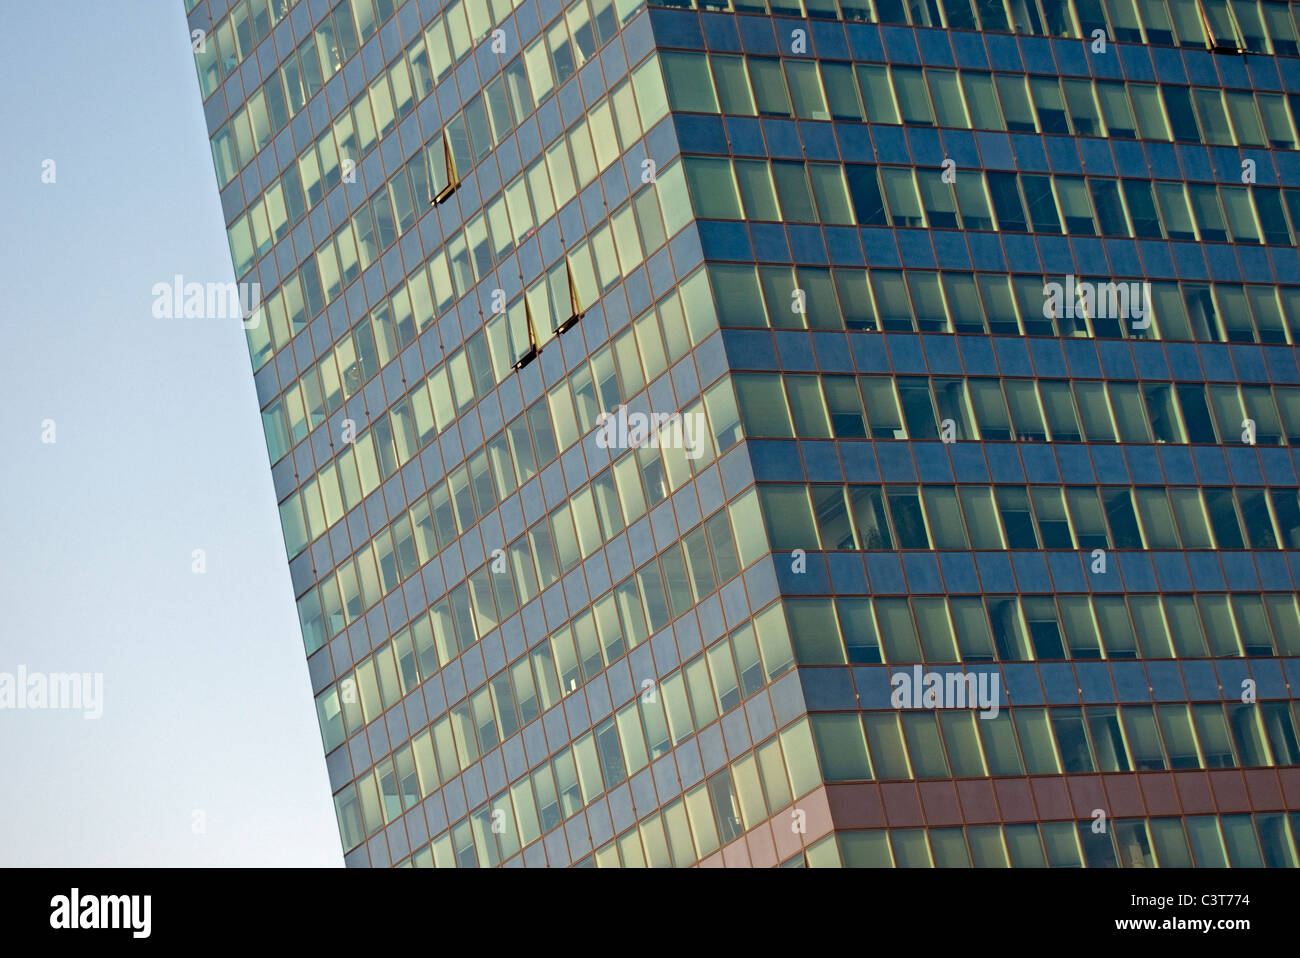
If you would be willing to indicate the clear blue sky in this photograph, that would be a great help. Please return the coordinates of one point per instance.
(158, 452)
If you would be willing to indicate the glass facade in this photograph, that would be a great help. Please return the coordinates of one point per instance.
(781, 432)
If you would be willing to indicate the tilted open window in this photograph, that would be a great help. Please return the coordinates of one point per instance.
(523, 341)
(1221, 28)
(566, 307)
(445, 174)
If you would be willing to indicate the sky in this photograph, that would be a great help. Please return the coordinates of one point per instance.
(208, 751)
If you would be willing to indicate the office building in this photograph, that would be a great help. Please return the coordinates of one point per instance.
(781, 432)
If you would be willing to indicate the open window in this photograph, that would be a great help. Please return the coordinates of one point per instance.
(450, 176)
(567, 307)
(1222, 32)
(523, 341)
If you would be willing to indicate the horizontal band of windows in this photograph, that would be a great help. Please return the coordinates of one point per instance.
(892, 517)
(1238, 27)
(913, 744)
(1203, 841)
(861, 630)
(899, 406)
(965, 99)
(833, 194)
(1016, 304)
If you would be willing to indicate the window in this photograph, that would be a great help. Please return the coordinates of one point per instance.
(1083, 110)
(444, 175)
(806, 90)
(949, 103)
(713, 189)
(788, 515)
(841, 748)
(940, 202)
(982, 101)
(1115, 105)
(945, 517)
(841, 91)
(756, 190)
(913, 98)
(909, 521)
(864, 188)
(732, 85)
(877, 94)
(1014, 94)
(1176, 213)
(831, 194)
(1006, 201)
(792, 187)
(690, 88)
(770, 92)
(904, 200)
(882, 408)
